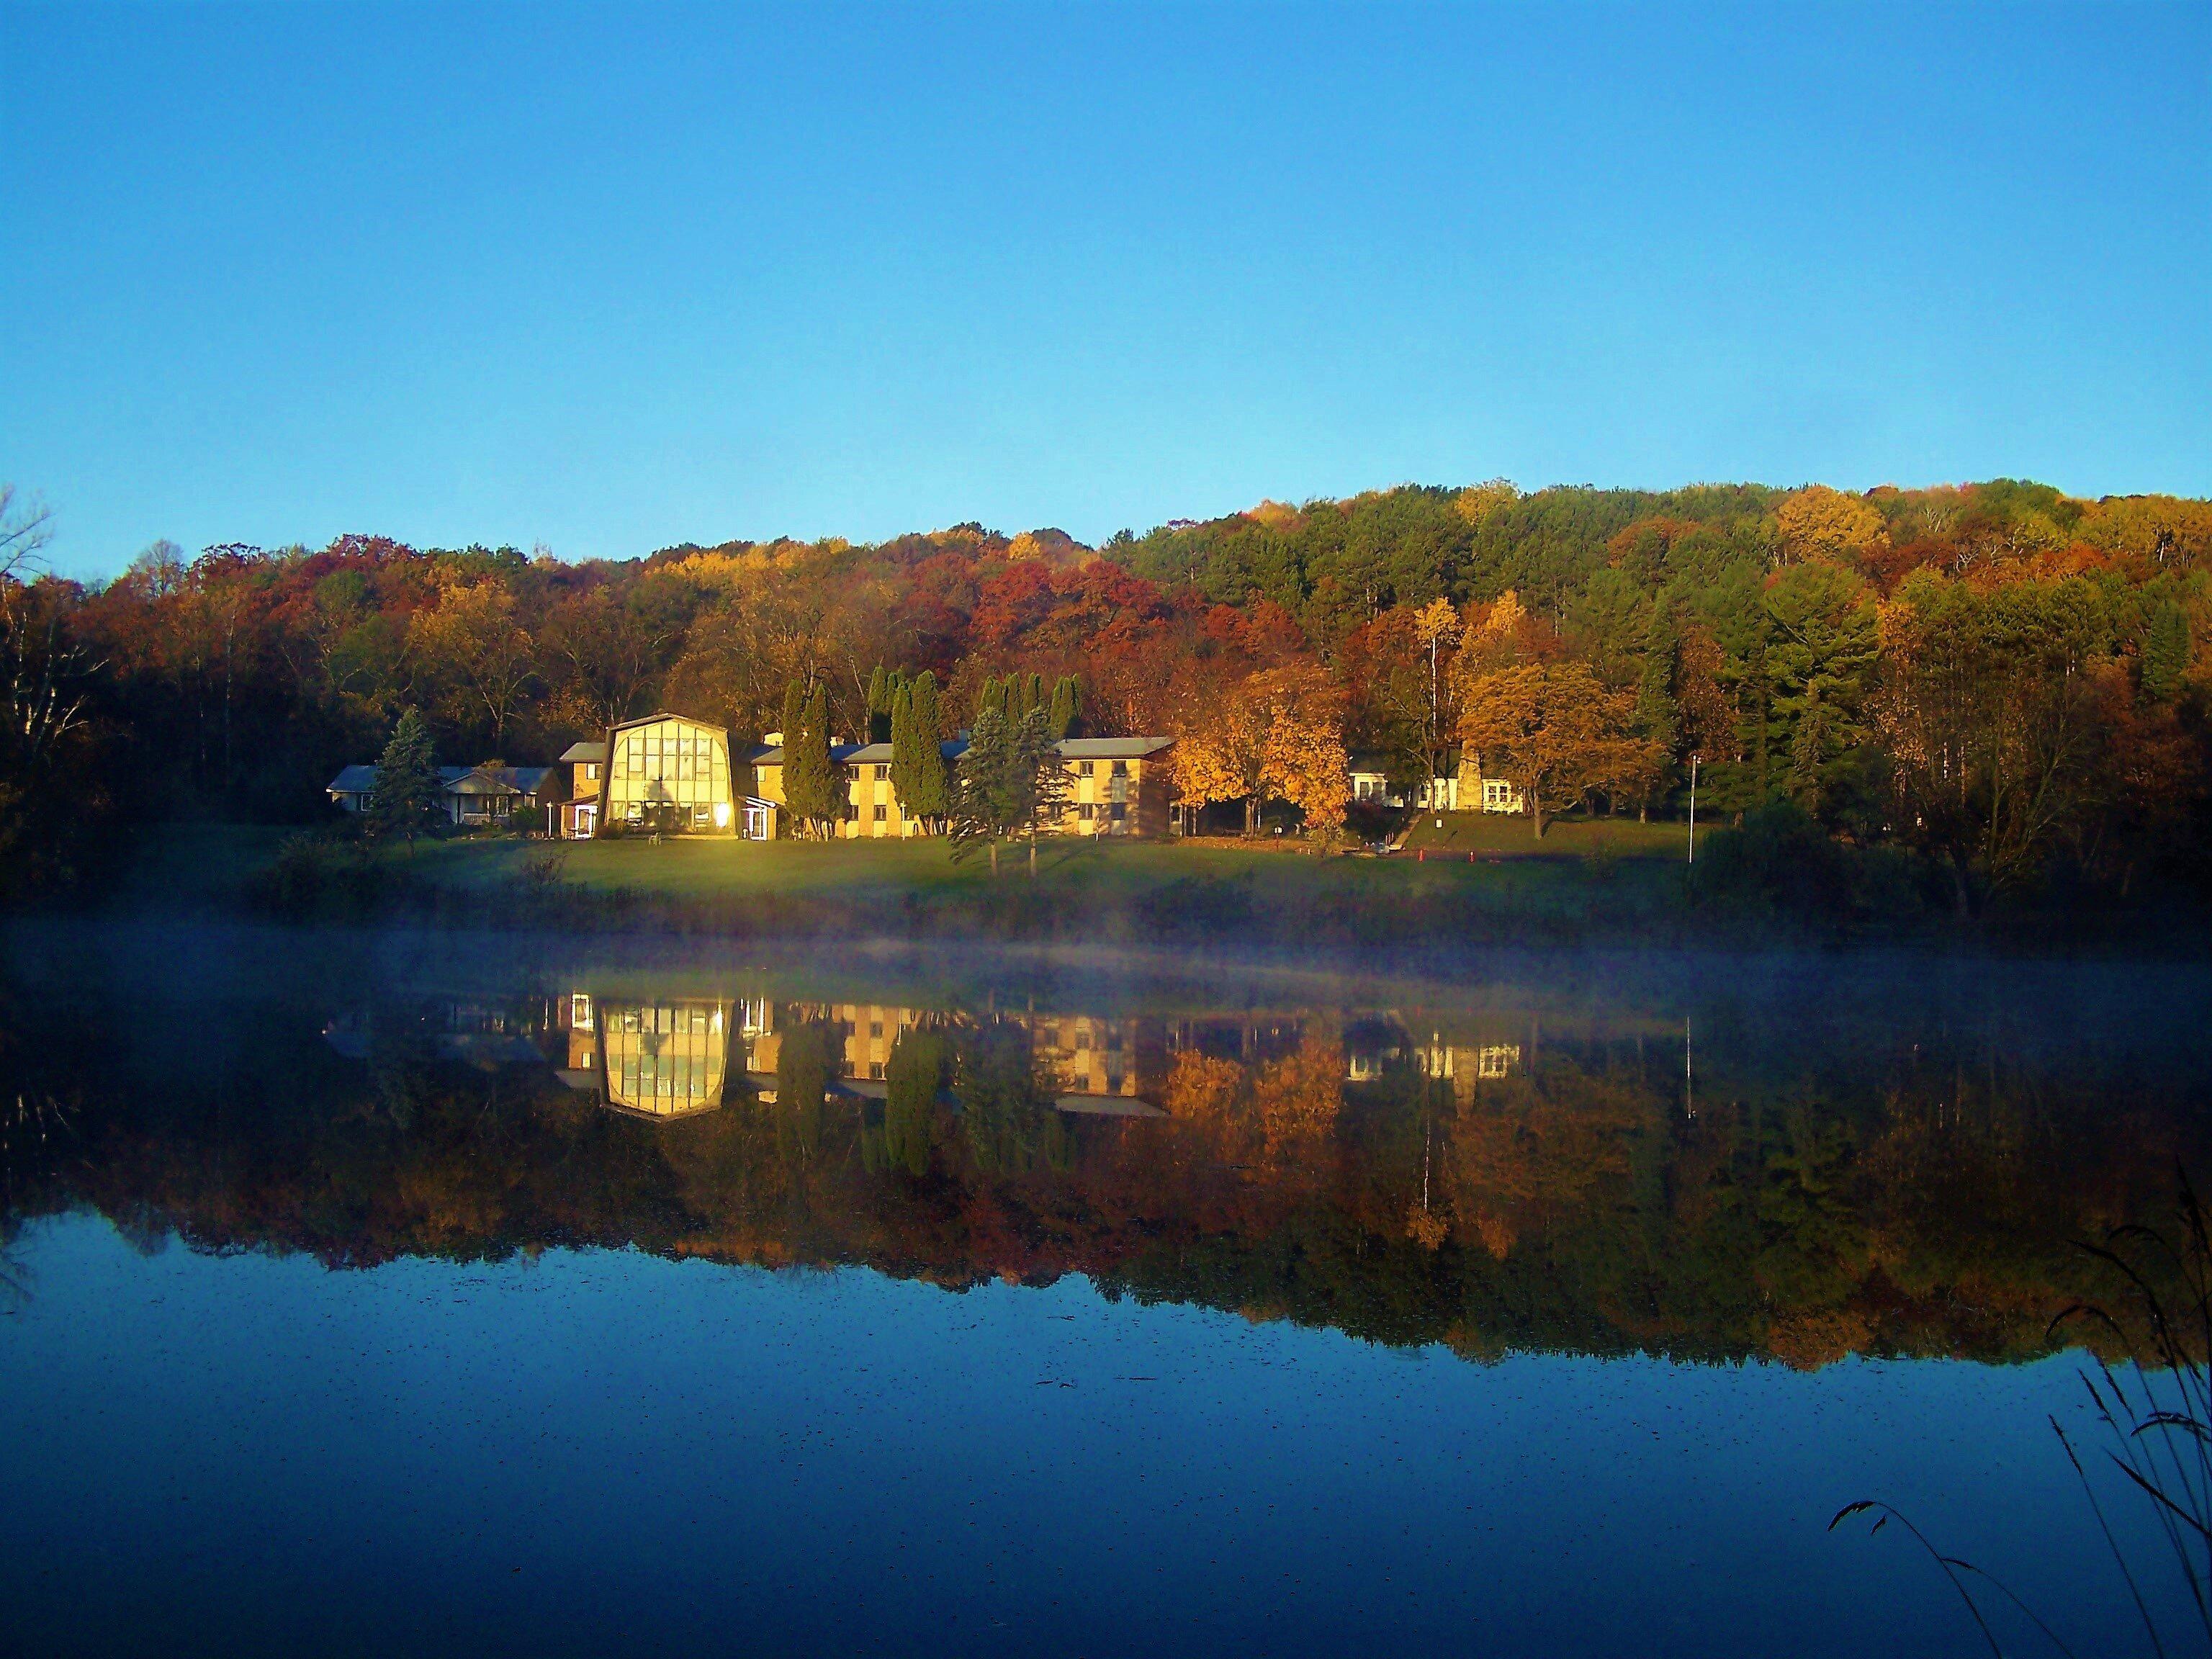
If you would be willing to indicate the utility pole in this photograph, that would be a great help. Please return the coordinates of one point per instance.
(1693, 809)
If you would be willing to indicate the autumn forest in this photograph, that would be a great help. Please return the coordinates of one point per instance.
(2008, 685)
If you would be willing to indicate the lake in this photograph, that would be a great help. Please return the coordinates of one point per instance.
(445, 1293)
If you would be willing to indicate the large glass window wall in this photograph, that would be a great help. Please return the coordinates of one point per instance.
(671, 774)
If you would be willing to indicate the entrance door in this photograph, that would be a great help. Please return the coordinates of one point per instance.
(587, 822)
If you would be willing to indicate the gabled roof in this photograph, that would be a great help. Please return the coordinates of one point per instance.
(1112, 748)
(584, 751)
(454, 779)
(840, 754)
(655, 718)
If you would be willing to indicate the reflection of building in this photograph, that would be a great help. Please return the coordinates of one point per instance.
(482, 1034)
(1377, 1045)
(658, 1059)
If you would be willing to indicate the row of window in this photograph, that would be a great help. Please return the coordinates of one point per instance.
(881, 770)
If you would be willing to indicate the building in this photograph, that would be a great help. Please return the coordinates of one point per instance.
(1115, 786)
(1371, 785)
(579, 814)
(493, 793)
(666, 774)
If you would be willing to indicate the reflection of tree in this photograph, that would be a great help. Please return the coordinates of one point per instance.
(1006, 1116)
(912, 1078)
(1905, 1201)
(803, 1072)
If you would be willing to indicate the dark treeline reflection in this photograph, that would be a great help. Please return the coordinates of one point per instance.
(1731, 1182)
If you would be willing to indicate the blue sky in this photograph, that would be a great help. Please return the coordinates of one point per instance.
(607, 279)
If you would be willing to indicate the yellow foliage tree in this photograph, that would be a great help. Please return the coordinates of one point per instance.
(476, 652)
(1554, 730)
(1478, 502)
(1821, 523)
(1277, 735)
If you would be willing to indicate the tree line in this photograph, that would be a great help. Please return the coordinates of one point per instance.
(2011, 681)
(1904, 1196)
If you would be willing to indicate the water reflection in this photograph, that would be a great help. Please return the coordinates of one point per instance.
(1476, 1167)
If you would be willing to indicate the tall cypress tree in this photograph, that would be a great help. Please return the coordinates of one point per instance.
(884, 686)
(810, 781)
(930, 795)
(902, 749)
(991, 700)
(1066, 705)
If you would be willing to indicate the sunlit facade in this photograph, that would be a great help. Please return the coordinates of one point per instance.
(669, 775)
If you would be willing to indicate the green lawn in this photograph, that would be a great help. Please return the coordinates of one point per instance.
(1509, 835)
(1148, 885)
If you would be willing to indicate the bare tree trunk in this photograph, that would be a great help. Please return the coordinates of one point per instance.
(1536, 812)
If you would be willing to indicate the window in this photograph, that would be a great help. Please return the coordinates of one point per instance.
(1119, 811)
(875, 1028)
(591, 770)
(1120, 768)
(882, 813)
(883, 773)
(1083, 768)
(1087, 810)
(875, 1068)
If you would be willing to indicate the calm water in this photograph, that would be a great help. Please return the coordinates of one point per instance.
(388, 1294)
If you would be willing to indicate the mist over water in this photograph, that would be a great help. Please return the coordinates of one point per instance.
(367, 1291)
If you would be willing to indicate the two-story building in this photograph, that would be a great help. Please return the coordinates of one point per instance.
(1115, 786)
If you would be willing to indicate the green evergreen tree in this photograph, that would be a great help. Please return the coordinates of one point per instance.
(1010, 783)
(407, 794)
(987, 799)
(2165, 650)
(1066, 705)
(912, 1077)
(809, 778)
(991, 700)
(884, 686)
(902, 750)
(1044, 780)
(931, 799)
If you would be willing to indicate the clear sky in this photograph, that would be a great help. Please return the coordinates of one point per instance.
(610, 278)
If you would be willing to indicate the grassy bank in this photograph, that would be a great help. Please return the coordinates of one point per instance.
(1584, 882)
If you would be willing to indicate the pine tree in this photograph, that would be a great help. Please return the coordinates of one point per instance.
(1010, 783)
(1044, 778)
(405, 798)
(991, 700)
(987, 796)
(2164, 651)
